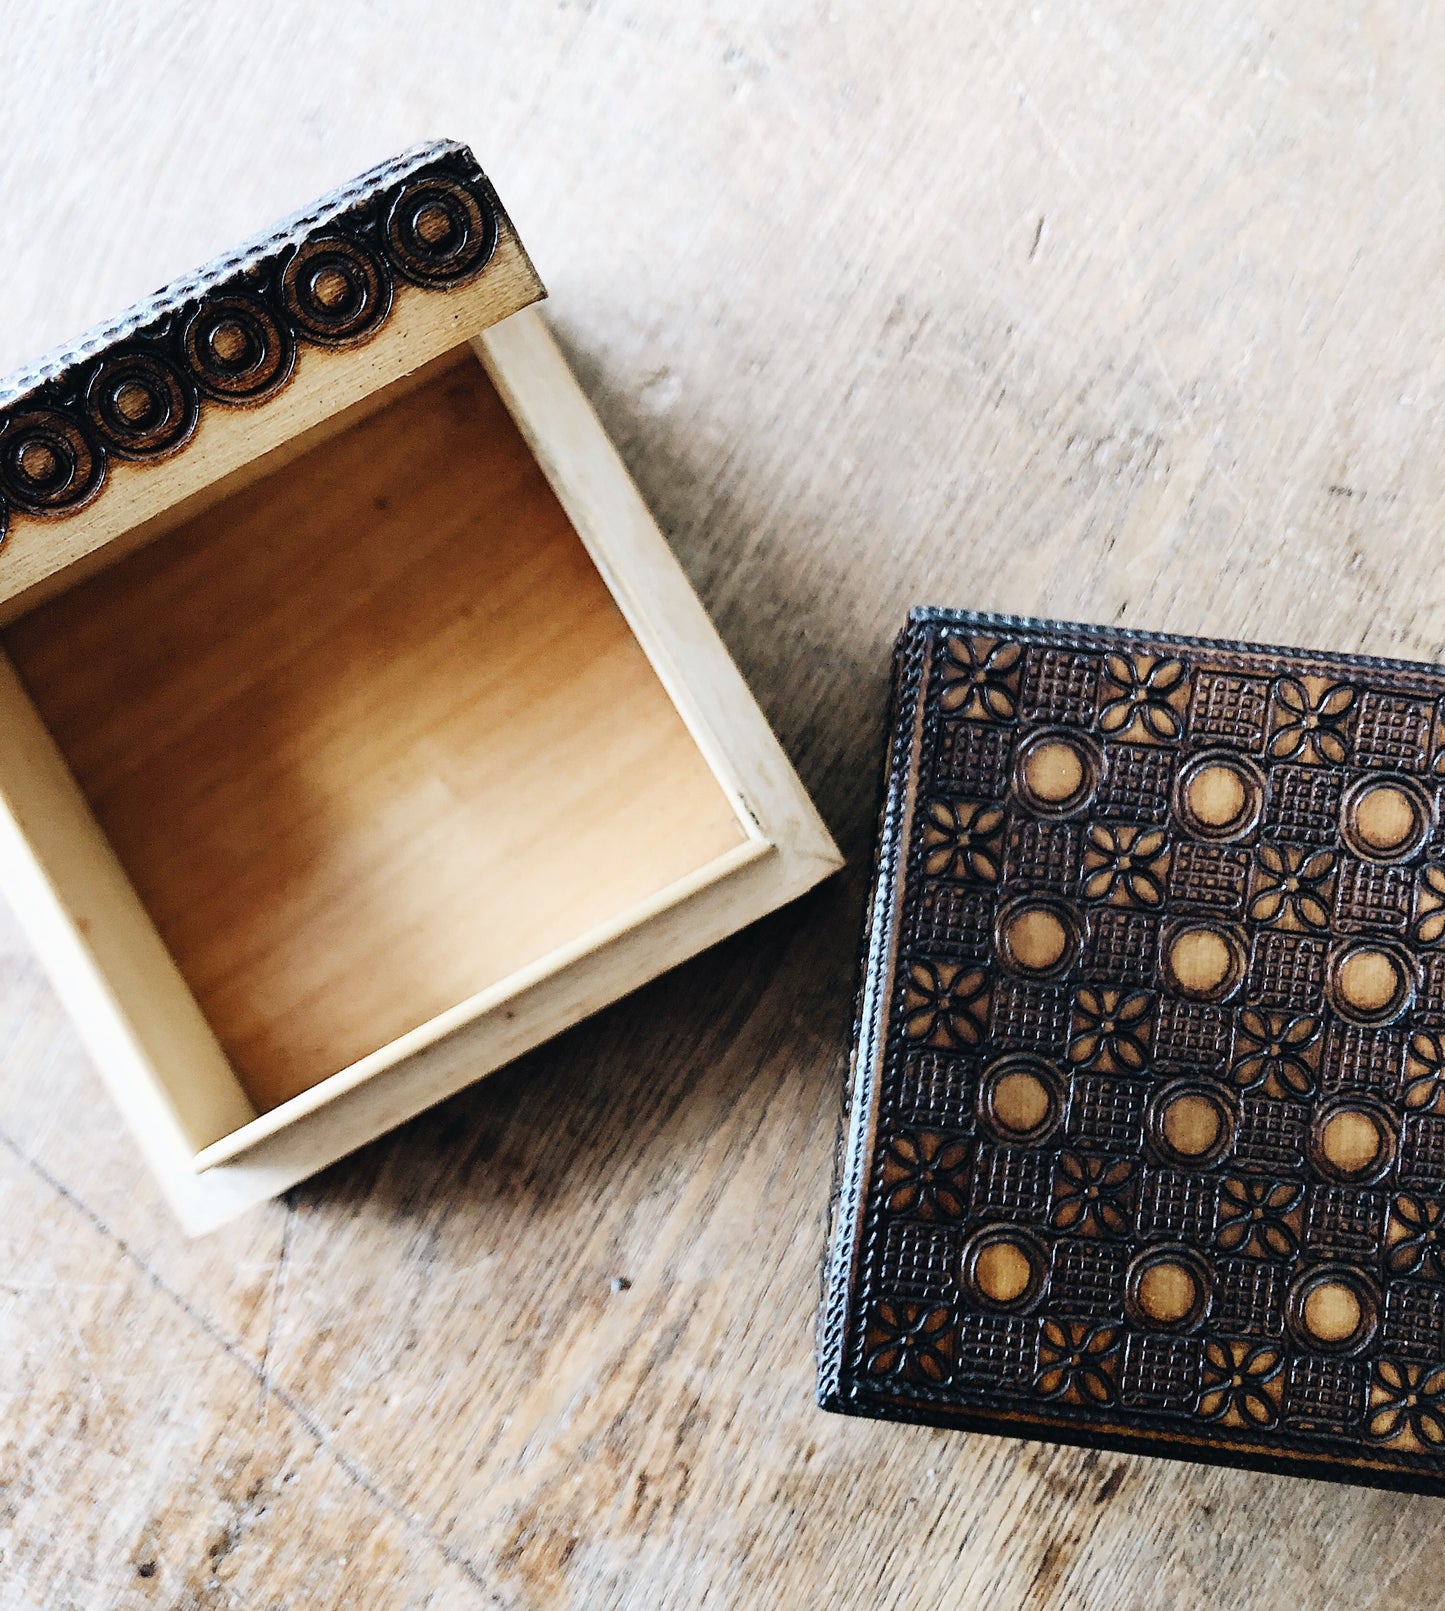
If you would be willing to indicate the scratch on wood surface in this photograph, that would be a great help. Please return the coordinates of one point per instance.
(320, 1434)
(278, 1293)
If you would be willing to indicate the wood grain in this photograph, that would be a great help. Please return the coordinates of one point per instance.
(371, 736)
(61, 870)
(1117, 313)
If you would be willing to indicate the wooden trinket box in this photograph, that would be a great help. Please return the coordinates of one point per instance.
(1146, 1143)
(358, 729)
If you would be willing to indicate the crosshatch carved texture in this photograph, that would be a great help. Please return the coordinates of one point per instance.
(1147, 1134)
(230, 335)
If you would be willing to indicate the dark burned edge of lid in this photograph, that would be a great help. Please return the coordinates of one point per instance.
(135, 386)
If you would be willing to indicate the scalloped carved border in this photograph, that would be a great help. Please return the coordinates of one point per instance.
(137, 389)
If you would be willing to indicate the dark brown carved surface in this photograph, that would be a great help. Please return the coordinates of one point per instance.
(137, 387)
(1146, 1140)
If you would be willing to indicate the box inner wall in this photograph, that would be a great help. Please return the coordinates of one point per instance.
(371, 735)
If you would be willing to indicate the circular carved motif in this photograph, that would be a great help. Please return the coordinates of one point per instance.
(139, 401)
(140, 405)
(1385, 819)
(1004, 1267)
(1203, 962)
(336, 289)
(1191, 1122)
(1370, 982)
(1056, 772)
(1020, 1099)
(1333, 1309)
(48, 465)
(439, 231)
(1038, 939)
(1219, 795)
(237, 349)
(1168, 1289)
(1353, 1140)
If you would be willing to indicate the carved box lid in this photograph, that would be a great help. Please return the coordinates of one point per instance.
(1146, 1142)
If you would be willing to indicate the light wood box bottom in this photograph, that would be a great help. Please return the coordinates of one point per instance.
(387, 766)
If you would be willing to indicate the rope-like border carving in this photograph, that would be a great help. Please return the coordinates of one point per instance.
(137, 387)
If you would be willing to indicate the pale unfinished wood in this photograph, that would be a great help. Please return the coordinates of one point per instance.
(651, 589)
(371, 737)
(412, 587)
(129, 999)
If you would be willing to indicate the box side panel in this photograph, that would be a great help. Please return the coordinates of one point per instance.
(654, 594)
(129, 1002)
(276, 1119)
(547, 1009)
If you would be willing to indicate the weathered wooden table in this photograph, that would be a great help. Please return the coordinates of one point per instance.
(1125, 314)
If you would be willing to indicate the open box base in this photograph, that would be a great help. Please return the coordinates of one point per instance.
(389, 767)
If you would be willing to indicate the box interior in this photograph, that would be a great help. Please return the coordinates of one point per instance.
(371, 736)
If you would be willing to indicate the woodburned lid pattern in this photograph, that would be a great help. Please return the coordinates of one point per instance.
(1147, 1135)
(137, 387)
